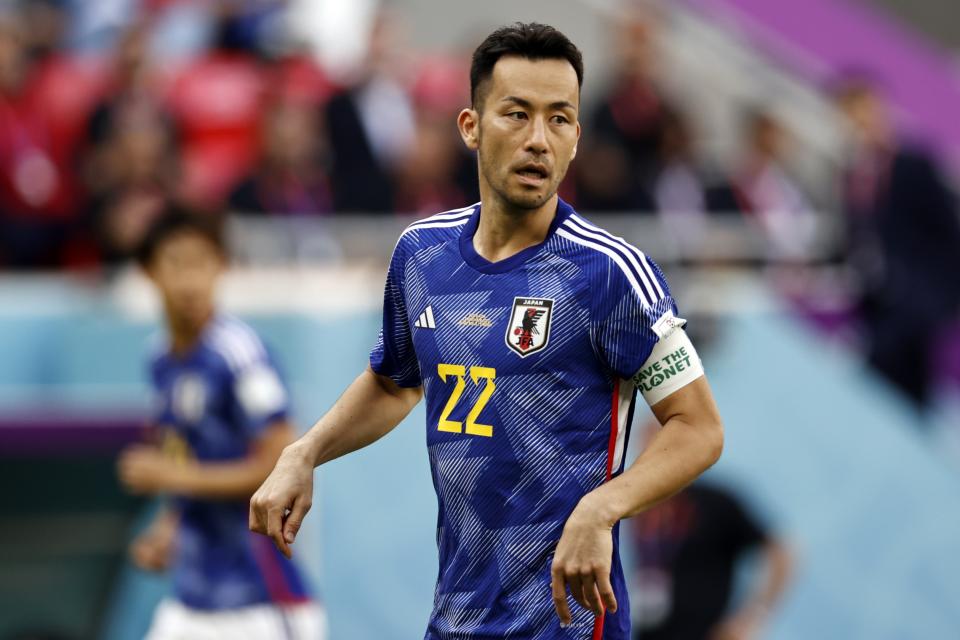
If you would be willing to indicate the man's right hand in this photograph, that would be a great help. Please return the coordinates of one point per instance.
(278, 507)
(152, 549)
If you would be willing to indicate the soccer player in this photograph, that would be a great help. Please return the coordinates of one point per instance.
(529, 330)
(223, 412)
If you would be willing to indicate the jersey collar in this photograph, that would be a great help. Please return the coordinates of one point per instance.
(478, 262)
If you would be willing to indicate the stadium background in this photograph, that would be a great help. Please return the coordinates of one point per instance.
(862, 480)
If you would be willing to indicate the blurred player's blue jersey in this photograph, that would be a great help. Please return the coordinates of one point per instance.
(526, 366)
(215, 402)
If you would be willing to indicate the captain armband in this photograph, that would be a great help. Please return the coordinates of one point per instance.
(672, 365)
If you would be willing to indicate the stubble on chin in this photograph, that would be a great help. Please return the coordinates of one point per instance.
(527, 202)
(520, 201)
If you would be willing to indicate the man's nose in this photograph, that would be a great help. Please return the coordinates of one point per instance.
(537, 136)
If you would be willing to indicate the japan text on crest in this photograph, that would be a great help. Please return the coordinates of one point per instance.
(529, 327)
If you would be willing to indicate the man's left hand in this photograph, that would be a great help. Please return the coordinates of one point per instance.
(583, 561)
(146, 470)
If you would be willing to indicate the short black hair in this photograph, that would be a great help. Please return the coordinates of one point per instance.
(176, 219)
(530, 40)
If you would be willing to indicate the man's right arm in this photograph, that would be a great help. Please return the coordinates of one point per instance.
(370, 407)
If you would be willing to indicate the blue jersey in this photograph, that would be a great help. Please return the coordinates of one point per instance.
(526, 366)
(214, 402)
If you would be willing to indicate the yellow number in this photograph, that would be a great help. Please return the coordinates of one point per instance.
(476, 374)
(451, 370)
(488, 374)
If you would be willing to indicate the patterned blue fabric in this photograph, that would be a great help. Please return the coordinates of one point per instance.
(213, 403)
(543, 345)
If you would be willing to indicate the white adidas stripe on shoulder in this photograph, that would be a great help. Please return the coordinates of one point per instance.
(449, 213)
(253, 340)
(237, 343)
(441, 224)
(234, 351)
(643, 265)
(452, 218)
(624, 249)
(229, 352)
(446, 215)
(613, 255)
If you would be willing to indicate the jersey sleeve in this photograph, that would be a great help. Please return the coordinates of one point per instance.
(393, 355)
(261, 395)
(257, 394)
(625, 317)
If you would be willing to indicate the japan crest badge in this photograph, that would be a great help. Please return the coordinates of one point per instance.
(529, 327)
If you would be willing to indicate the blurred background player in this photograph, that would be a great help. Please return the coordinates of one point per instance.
(690, 550)
(222, 410)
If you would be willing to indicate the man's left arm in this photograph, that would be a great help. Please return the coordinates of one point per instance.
(689, 442)
(146, 470)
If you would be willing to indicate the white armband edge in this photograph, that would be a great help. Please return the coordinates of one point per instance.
(672, 365)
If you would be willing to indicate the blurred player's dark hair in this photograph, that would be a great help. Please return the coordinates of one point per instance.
(530, 40)
(174, 220)
(853, 84)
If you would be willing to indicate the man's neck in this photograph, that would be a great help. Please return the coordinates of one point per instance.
(184, 335)
(502, 232)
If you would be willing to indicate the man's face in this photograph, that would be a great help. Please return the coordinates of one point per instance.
(866, 118)
(527, 132)
(185, 268)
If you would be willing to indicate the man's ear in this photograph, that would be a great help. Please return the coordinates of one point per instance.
(468, 123)
(577, 142)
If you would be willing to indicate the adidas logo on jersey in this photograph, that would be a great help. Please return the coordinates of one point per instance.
(426, 321)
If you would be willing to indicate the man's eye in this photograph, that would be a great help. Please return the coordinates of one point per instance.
(560, 119)
(517, 115)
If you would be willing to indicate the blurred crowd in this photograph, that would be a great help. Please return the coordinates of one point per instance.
(92, 143)
(94, 139)
(91, 140)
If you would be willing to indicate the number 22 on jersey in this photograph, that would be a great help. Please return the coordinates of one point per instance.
(476, 374)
